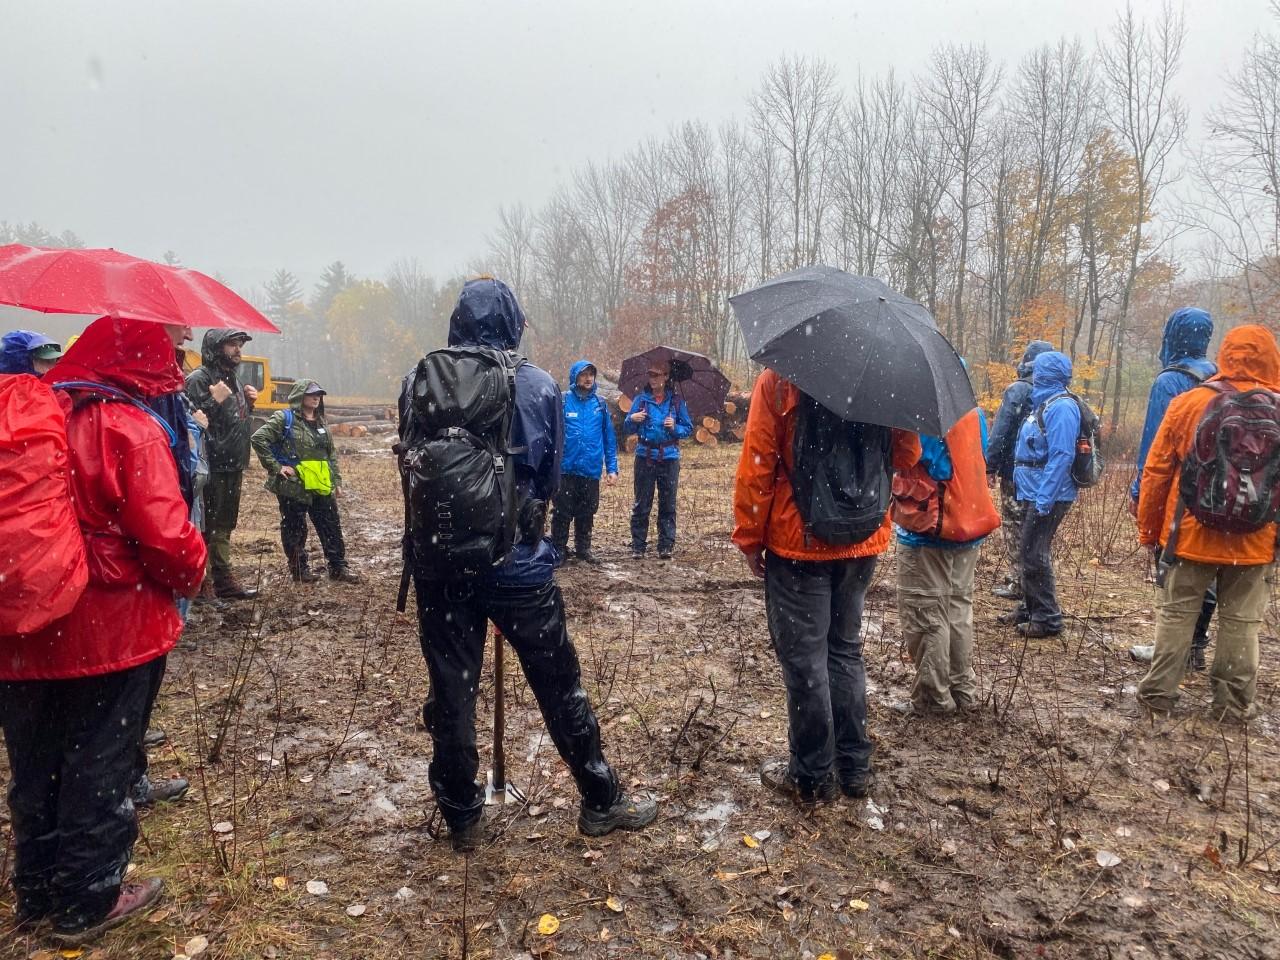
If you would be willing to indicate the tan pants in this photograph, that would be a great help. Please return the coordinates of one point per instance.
(1242, 599)
(935, 606)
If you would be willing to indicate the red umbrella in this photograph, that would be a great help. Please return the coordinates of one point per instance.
(113, 284)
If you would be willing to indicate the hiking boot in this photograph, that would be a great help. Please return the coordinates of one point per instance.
(207, 593)
(227, 587)
(1036, 631)
(858, 784)
(71, 931)
(664, 554)
(147, 792)
(586, 556)
(344, 575)
(35, 902)
(627, 813)
(1195, 659)
(304, 575)
(637, 554)
(465, 839)
(1007, 591)
(776, 775)
(1012, 618)
(154, 738)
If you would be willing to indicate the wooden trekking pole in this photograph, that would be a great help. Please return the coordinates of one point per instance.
(498, 774)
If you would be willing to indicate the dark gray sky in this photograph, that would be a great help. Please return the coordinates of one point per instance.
(264, 133)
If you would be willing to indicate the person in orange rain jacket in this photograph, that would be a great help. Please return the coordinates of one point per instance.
(942, 510)
(1196, 554)
(813, 597)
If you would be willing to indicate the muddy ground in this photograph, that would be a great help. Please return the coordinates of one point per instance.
(297, 718)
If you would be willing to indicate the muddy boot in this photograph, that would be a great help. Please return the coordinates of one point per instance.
(625, 814)
(227, 587)
(147, 792)
(776, 775)
(71, 930)
(467, 838)
(207, 592)
(300, 570)
(344, 574)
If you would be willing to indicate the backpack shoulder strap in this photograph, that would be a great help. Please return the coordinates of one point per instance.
(1191, 372)
(107, 392)
(1045, 406)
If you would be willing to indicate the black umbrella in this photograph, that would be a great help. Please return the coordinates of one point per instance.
(859, 348)
(694, 377)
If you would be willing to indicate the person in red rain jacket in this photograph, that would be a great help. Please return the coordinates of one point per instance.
(72, 695)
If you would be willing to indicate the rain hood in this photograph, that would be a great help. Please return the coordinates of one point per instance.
(135, 356)
(487, 315)
(575, 371)
(1034, 349)
(1050, 374)
(211, 348)
(1187, 333)
(15, 357)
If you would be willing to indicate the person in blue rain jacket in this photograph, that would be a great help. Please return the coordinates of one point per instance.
(1184, 364)
(589, 448)
(660, 418)
(25, 351)
(1042, 478)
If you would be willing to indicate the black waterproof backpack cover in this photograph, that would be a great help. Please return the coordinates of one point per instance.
(456, 462)
(841, 475)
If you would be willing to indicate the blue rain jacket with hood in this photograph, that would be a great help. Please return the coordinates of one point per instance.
(15, 356)
(656, 441)
(589, 441)
(488, 315)
(1042, 471)
(1187, 333)
(1015, 404)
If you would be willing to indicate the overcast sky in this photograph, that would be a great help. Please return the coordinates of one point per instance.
(252, 134)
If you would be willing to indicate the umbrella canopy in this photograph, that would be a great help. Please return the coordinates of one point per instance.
(113, 284)
(862, 350)
(694, 377)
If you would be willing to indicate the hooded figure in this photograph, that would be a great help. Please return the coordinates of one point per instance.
(590, 446)
(1015, 404)
(521, 599)
(1247, 360)
(1042, 477)
(230, 421)
(1184, 363)
(22, 348)
(297, 449)
(73, 695)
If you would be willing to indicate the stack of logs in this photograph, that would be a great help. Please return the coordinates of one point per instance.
(730, 426)
(360, 420)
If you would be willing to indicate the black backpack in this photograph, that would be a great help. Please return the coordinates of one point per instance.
(841, 475)
(456, 462)
(1088, 464)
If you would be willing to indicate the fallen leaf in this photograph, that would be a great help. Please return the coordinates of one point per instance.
(537, 810)
(280, 883)
(859, 905)
(356, 910)
(949, 848)
(750, 841)
(195, 946)
(875, 823)
(1106, 859)
(404, 893)
(1161, 786)
(762, 835)
(726, 875)
(766, 714)
(223, 826)
(1133, 902)
(306, 778)
(1068, 843)
(1211, 854)
(788, 913)
(593, 855)
(157, 915)
(1123, 832)
(826, 956)
(614, 904)
(317, 888)
(71, 954)
(548, 924)
(605, 935)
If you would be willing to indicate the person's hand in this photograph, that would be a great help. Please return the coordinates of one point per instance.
(755, 563)
(337, 492)
(610, 479)
(250, 393)
(219, 391)
(639, 417)
(669, 423)
(201, 418)
(289, 472)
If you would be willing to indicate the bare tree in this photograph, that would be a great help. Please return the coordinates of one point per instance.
(795, 113)
(1138, 67)
(511, 247)
(957, 96)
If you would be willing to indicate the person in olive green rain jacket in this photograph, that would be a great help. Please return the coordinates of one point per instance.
(296, 447)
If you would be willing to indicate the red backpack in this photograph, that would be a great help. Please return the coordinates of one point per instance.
(1231, 475)
(43, 569)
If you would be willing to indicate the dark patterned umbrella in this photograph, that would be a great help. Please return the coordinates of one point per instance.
(694, 377)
